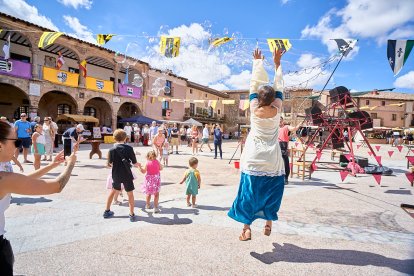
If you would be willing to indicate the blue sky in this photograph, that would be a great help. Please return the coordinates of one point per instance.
(314, 23)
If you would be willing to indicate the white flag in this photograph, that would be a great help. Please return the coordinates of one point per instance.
(6, 49)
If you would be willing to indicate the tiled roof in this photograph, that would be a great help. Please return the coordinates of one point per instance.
(388, 96)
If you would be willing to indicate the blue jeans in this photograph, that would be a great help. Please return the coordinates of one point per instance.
(217, 144)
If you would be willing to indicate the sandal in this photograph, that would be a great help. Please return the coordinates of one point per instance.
(267, 230)
(246, 235)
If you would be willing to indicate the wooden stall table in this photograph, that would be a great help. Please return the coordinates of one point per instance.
(95, 148)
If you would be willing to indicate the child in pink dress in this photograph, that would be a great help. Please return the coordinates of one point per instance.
(152, 182)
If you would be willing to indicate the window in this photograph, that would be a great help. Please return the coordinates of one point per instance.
(90, 111)
(111, 79)
(199, 110)
(218, 111)
(374, 115)
(50, 61)
(165, 107)
(73, 70)
(243, 96)
(191, 91)
(383, 103)
(20, 57)
(63, 109)
(366, 102)
(20, 110)
(210, 111)
(286, 95)
(206, 95)
(394, 117)
(192, 109)
(169, 85)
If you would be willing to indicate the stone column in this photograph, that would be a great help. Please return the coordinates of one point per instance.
(114, 120)
(116, 76)
(36, 66)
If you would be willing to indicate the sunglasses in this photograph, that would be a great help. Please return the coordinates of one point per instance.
(17, 142)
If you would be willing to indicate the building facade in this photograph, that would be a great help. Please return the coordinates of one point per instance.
(30, 81)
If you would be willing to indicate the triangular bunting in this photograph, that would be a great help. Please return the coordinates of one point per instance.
(410, 176)
(390, 152)
(399, 148)
(410, 159)
(377, 178)
(370, 153)
(343, 174)
(378, 147)
(358, 146)
(348, 156)
(378, 158)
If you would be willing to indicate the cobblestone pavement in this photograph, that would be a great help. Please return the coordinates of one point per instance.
(326, 227)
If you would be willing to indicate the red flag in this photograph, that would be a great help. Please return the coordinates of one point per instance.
(370, 153)
(410, 176)
(60, 61)
(390, 152)
(377, 178)
(343, 174)
(82, 68)
(318, 154)
(410, 159)
(399, 148)
(358, 146)
(378, 147)
(378, 158)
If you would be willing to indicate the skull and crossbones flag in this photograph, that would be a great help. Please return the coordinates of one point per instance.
(398, 52)
(345, 45)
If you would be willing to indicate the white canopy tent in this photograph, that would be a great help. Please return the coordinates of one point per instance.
(192, 122)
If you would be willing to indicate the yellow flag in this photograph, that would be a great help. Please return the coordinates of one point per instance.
(169, 46)
(199, 101)
(372, 108)
(397, 104)
(48, 38)
(219, 41)
(276, 43)
(228, 101)
(246, 104)
(102, 39)
(364, 107)
(213, 103)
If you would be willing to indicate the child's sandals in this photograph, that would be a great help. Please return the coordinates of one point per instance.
(116, 202)
(246, 235)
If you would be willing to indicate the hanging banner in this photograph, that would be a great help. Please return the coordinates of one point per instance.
(228, 101)
(130, 91)
(220, 41)
(169, 46)
(100, 85)
(276, 44)
(102, 39)
(60, 76)
(48, 38)
(398, 52)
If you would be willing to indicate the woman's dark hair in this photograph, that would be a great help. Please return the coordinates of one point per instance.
(266, 95)
(5, 129)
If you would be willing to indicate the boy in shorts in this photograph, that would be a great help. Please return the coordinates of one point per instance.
(120, 158)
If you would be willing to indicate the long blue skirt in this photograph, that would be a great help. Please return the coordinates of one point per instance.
(258, 197)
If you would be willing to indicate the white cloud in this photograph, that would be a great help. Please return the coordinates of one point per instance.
(22, 10)
(239, 81)
(80, 31)
(307, 78)
(219, 86)
(284, 2)
(364, 19)
(405, 81)
(87, 4)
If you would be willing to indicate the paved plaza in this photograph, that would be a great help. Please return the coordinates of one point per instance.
(325, 227)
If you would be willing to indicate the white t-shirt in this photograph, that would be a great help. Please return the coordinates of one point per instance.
(206, 133)
(128, 130)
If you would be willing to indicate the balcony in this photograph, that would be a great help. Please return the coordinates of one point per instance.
(99, 85)
(15, 68)
(60, 77)
(130, 91)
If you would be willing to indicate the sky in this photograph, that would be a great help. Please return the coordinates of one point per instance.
(310, 26)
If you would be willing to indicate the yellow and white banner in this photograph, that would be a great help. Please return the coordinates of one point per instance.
(277, 43)
(60, 76)
(104, 86)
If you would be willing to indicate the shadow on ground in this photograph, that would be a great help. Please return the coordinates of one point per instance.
(29, 200)
(295, 254)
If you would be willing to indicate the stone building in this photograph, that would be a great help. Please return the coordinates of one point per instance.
(31, 83)
(294, 105)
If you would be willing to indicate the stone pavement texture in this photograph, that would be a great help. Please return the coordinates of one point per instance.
(325, 227)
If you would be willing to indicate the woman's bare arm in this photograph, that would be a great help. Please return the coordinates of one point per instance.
(59, 158)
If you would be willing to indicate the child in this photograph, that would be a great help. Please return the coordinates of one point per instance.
(192, 181)
(109, 182)
(165, 153)
(120, 158)
(152, 181)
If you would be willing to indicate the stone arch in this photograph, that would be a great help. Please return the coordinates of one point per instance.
(50, 101)
(102, 108)
(128, 109)
(13, 101)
